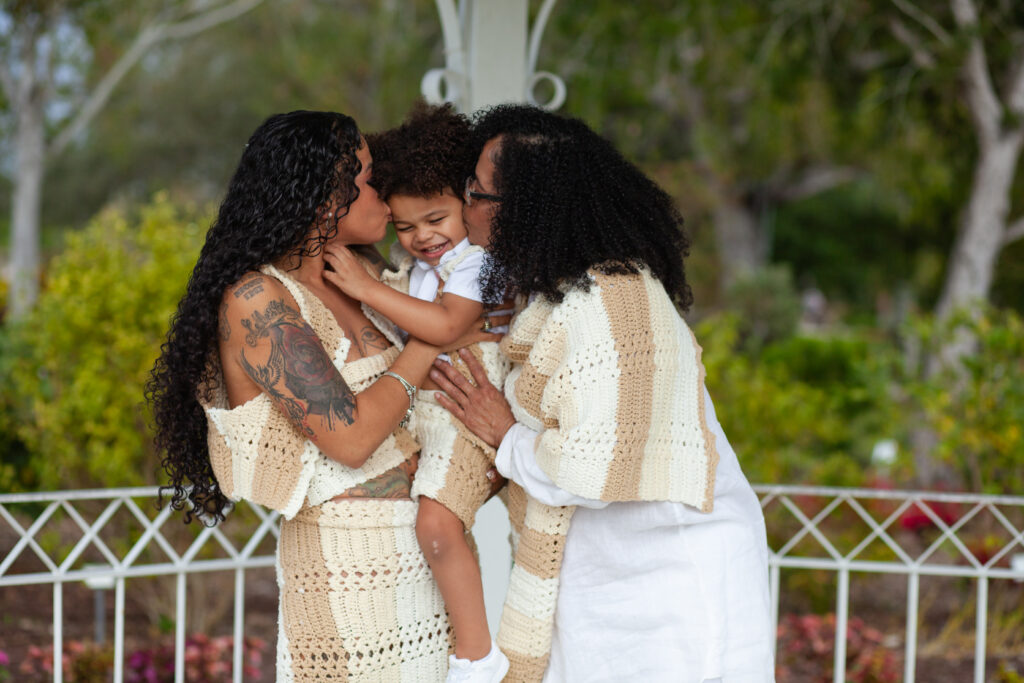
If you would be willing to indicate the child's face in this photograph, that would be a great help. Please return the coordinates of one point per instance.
(428, 226)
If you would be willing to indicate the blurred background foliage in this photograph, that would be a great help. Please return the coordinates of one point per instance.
(73, 371)
(821, 163)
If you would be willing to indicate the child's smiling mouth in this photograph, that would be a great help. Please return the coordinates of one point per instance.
(435, 250)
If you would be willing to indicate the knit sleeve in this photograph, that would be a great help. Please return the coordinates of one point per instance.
(622, 409)
(579, 438)
(516, 461)
(258, 455)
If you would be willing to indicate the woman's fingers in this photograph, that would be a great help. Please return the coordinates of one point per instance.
(497, 481)
(455, 377)
(475, 369)
(444, 375)
(448, 404)
(483, 409)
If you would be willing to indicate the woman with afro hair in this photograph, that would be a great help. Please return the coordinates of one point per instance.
(639, 547)
(435, 296)
(276, 387)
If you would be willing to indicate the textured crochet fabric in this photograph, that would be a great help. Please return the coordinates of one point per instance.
(612, 381)
(257, 454)
(453, 461)
(358, 601)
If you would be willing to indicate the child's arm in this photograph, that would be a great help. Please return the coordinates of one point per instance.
(435, 323)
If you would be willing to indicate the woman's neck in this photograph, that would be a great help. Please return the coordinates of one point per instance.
(307, 269)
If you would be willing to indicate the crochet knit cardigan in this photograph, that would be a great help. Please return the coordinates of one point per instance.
(612, 380)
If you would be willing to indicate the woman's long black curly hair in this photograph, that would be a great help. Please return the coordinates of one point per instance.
(424, 156)
(571, 202)
(294, 166)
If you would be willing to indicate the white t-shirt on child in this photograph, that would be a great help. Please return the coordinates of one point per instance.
(464, 281)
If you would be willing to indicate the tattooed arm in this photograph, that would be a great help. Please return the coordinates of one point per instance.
(266, 346)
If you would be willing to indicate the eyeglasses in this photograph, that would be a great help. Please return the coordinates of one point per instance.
(471, 195)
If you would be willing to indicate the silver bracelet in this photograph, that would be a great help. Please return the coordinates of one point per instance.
(410, 391)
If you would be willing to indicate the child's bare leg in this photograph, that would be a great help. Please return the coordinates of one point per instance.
(442, 537)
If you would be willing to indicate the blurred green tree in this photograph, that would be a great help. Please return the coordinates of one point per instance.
(747, 96)
(180, 123)
(55, 78)
(74, 398)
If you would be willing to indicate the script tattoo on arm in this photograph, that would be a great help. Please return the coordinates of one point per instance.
(249, 286)
(299, 361)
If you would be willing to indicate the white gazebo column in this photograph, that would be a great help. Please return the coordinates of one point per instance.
(497, 52)
(490, 55)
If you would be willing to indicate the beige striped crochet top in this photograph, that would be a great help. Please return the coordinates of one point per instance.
(611, 378)
(257, 454)
(613, 381)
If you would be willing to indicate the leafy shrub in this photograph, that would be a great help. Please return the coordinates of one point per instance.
(207, 660)
(975, 407)
(806, 647)
(16, 472)
(75, 390)
(767, 306)
(803, 410)
(81, 662)
(4, 289)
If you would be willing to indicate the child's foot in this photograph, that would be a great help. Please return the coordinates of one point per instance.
(490, 669)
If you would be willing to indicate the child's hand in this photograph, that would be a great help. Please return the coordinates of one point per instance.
(348, 273)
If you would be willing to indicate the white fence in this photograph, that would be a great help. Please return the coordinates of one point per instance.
(839, 530)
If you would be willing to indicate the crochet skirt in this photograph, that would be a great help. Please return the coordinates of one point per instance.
(357, 599)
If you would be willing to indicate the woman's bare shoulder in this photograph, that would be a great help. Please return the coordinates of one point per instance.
(253, 295)
(252, 285)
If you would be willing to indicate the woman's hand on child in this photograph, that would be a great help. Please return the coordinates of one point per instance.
(347, 273)
(482, 408)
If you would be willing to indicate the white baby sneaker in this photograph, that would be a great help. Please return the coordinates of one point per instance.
(490, 669)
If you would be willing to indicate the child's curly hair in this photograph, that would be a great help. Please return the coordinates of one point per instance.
(424, 155)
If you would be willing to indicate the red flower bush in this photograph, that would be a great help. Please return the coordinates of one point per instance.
(807, 651)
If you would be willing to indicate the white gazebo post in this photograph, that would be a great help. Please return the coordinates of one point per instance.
(490, 58)
(490, 55)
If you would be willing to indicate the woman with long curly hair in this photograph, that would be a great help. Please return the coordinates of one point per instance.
(639, 546)
(276, 387)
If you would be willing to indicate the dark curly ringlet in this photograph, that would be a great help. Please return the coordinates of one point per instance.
(296, 171)
(423, 156)
(571, 202)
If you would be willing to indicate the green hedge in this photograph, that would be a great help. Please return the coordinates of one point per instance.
(73, 371)
(809, 410)
(801, 410)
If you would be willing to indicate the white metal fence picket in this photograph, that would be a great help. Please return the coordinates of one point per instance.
(797, 516)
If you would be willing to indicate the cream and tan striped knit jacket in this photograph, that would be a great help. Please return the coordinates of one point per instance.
(612, 380)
